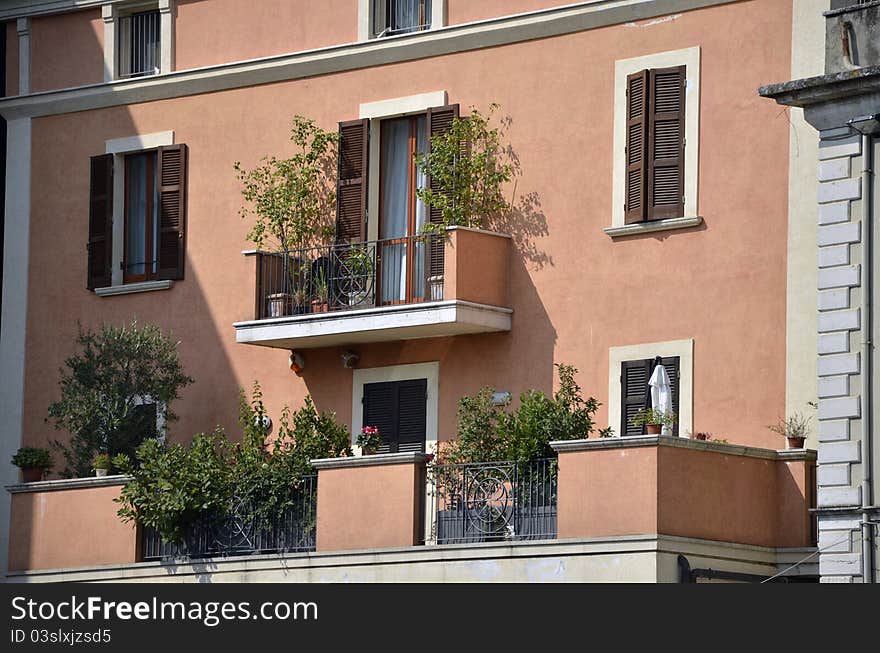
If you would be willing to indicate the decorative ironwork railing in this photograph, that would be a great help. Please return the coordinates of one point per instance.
(489, 502)
(240, 533)
(349, 276)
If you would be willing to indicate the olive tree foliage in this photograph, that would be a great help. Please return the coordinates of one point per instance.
(291, 199)
(469, 167)
(115, 370)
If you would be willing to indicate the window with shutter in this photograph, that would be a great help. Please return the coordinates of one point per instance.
(655, 143)
(390, 17)
(153, 218)
(399, 410)
(100, 244)
(635, 396)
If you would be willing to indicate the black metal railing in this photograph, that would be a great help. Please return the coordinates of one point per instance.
(240, 533)
(139, 44)
(490, 502)
(349, 276)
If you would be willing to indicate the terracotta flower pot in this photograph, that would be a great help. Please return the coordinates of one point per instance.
(368, 451)
(654, 429)
(795, 443)
(31, 474)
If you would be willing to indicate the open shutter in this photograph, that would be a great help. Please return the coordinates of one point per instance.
(411, 411)
(172, 211)
(634, 377)
(100, 245)
(439, 122)
(666, 143)
(635, 209)
(380, 410)
(673, 369)
(351, 188)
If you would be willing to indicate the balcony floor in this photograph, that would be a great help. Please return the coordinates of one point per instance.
(425, 320)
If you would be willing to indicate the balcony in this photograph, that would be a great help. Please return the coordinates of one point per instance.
(394, 289)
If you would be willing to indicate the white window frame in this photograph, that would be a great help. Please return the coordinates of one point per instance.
(690, 58)
(684, 349)
(111, 13)
(119, 147)
(365, 18)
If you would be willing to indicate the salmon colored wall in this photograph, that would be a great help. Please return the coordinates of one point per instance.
(11, 58)
(476, 267)
(574, 291)
(465, 11)
(589, 505)
(369, 507)
(69, 528)
(67, 50)
(246, 30)
(728, 497)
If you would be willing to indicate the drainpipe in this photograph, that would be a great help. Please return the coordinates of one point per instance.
(867, 357)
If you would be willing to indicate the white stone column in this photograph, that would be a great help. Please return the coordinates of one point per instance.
(12, 328)
(166, 35)
(109, 14)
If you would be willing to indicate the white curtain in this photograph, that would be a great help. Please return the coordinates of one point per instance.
(405, 14)
(396, 199)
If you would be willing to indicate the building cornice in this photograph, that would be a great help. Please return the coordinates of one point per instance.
(339, 58)
(595, 444)
(68, 484)
(824, 88)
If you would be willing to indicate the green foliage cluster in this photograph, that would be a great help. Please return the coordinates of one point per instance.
(174, 487)
(653, 416)
(102, 386)
(32, 457)
(101, 461)
(796, 425)
(469, 168)
(292, 199)
(488, 433)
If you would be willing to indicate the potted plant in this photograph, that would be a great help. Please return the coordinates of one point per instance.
(701, 435)
(369, 440)
(794, 430)
(101, 464)
(320, 302)
(34, 462)
(653, 420)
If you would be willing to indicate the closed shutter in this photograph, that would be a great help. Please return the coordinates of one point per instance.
(172, 211)
(666, 143)
(398, 410)
(439, 122)
(635, 209)
(100, 245)
(351, 189)
(634, 382)
(634, 377)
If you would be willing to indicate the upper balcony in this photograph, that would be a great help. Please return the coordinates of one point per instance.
(395, 289)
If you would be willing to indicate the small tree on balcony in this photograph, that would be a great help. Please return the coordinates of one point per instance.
(291, 199)
(105, 384)
(468, 167)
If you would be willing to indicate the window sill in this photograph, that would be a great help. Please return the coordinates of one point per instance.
(129, 288)
(652, 226)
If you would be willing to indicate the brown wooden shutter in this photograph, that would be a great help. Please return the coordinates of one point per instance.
(439, 122)
(635, 208)
(399, 410)
(380, 410)
(351, 188)
(172, 211)
(673, 369)
(666, 143)
(100, 245)
(634, 383)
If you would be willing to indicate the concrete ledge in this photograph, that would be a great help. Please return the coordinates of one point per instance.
(572, 560)
(129, 288)
(68, 484)
(598, 444)
(369, 461)
(652, 226)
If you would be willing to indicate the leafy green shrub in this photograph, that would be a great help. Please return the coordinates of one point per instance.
(174, 487)
(101, 461)
(468, 169)
(104, 386)
(32, 457)
(487, 432)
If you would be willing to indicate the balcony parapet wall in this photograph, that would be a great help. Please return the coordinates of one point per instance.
(689, 488)
(69, 523)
